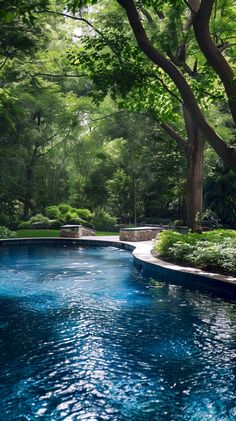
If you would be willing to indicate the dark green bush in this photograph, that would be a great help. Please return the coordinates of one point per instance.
(53, 212)
(4, 220)
(66, 214)
(85, 214)
(63, 208)
(102, 221)
(6, 233)
(24, 225)
(56, 223)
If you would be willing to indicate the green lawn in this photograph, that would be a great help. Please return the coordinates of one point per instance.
(51, 233)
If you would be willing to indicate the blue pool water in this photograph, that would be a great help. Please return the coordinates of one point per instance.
(85, 336)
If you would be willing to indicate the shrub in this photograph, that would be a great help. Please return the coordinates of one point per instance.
(4, 220)
(212, 250)
(6, 233)
(72, 218)
(70, 215)
(102, 221)
(85, 214)
(63, 208)
(24, 225)
(53, 212)
(56, 223)
(77, 221)
(39, 218)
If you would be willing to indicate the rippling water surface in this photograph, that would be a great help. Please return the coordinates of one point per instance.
(84, 336)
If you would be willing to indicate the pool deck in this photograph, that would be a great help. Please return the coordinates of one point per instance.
(142, 252)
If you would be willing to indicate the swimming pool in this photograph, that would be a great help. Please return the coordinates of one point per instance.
(86, 336)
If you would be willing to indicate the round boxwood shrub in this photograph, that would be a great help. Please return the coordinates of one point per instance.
(53, 212)
(63, 208)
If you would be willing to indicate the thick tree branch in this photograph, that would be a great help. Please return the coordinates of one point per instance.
(183, 144)
(2, 64)
(213, 55)
(227, 153)
(146, 13)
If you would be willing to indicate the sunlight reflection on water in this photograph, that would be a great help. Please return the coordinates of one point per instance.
(85, 336)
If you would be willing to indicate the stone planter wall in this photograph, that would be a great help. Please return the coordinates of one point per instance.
(76, 231)
(139, 234)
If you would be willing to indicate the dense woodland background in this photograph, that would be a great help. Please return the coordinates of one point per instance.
(91, 119)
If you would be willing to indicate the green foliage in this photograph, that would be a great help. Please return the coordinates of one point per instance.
(75, 5)
(213, 250)
(160, 3)
(72, 218)
(220, 194)
(23, 225)
(64, 213)
(53, 212)
(63, 208)
(85, 214)
(4, 220)
(41, 219)
(103, 221)
(6, 233)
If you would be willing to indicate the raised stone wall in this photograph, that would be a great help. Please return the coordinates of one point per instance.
(139, 234)
(76, 231)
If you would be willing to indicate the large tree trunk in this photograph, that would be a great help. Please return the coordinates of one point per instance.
(193, 148)
(195, 184)
(195, 157)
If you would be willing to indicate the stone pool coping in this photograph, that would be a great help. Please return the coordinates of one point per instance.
(224, 286)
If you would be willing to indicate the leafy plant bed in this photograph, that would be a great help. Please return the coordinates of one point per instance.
(213, 251)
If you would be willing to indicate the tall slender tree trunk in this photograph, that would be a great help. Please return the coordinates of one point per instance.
(134, 187)
(28, 193)
(195, 160)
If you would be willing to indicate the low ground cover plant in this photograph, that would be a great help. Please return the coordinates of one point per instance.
(214, 251)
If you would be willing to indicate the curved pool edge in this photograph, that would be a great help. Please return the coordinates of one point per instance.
(223, 286)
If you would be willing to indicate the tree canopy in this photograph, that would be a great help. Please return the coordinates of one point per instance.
(108, 105)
